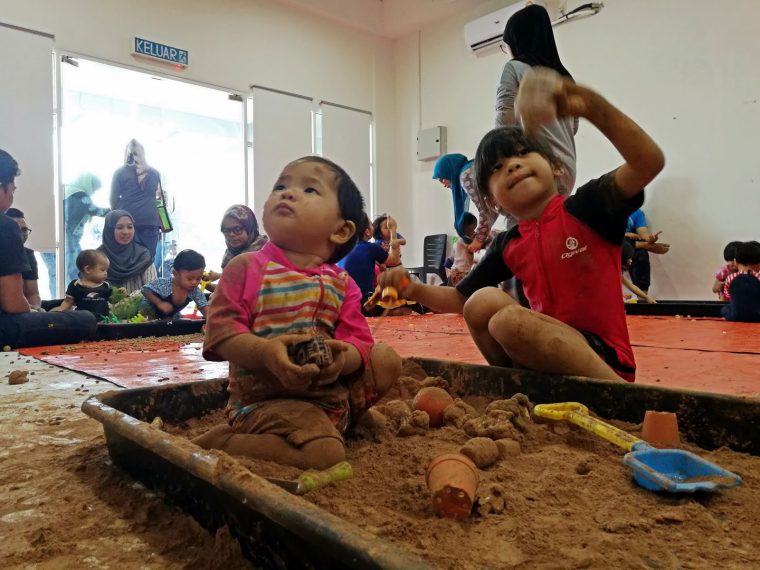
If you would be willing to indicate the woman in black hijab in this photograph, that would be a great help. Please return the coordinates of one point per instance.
(131, 265)
(530, 39)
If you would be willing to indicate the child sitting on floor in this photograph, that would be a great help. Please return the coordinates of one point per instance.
(362, 260)
(742, 289)
(464, 259)
(91, 291)
(165, 297)
(565, 250)
(288, 292)
(729, 255)
(383, 228)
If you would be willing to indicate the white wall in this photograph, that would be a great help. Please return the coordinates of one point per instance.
(686, 70)
(233, 44)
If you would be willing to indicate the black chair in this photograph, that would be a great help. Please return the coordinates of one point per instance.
(434, 258)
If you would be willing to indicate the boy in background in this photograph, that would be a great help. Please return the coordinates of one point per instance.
(742, 289)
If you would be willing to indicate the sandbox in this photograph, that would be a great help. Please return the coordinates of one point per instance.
(337, 527)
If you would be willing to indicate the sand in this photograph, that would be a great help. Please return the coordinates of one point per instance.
(565, 500)
(64, 505)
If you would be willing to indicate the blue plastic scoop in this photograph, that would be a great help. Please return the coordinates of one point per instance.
(673, 470)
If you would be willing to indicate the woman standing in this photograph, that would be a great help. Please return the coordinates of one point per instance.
(241, 232)
(78, 211)
(131, 265)
(134, 189)
(530, 39)
(455, 172)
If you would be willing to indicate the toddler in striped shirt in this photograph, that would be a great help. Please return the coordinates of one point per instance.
(290, 291)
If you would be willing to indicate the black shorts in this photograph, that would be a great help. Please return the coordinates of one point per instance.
(608, 354)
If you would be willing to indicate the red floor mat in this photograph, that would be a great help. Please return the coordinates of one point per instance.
(715, 335)
(134, 363)
(698, 354)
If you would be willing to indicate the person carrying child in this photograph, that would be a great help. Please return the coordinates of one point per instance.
(464, 259)
(91, 291)
(742, 289)
(565, 250)
(383, 228)
(290, 291)
(165, 297)
(729, 256)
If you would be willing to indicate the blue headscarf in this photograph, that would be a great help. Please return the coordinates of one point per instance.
(450, 167)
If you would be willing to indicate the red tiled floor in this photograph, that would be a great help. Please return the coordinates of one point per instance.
(699, 354)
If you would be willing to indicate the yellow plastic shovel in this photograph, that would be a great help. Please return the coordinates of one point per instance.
(673, 470)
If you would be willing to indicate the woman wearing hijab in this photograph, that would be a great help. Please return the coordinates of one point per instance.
(134, 189)
(241, 232)
(530, 39)
(78, 211)
(455, 172)
(131, 265)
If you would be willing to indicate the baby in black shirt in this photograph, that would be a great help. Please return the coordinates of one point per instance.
(91, 291)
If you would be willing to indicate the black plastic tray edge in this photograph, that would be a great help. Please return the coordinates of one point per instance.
(673, 308)
(707, 419)
(341, 543)
(116, 331)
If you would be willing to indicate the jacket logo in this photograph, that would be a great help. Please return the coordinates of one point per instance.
(572, 245)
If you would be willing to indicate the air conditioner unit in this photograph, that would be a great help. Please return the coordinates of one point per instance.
(487, 30)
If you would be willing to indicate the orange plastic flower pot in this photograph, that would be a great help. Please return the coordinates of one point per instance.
(660, 429)
(452, 479)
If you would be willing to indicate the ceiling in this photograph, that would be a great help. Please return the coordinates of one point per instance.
(387, 18)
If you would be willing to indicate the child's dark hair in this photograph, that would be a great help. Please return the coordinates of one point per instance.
(748, 253)
(15, 213)
(465, 220)
(377, 226)
(501, 143)
(350, 202)
(90, 258)
(729, 252)
(361, 228)
(8, 168)
(626, 253)
(189, 260)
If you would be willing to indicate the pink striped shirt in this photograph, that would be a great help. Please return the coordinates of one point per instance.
(265, 294)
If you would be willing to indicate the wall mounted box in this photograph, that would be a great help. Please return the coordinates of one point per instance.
(431, 143)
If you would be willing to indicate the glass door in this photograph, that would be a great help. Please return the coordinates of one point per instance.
(192, 135)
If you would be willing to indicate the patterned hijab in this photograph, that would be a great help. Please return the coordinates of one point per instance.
(530, 38)
(247, 219)
(127, 260)
(86, 182)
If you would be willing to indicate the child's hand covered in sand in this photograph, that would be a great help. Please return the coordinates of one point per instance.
(544, 95)
(536, 102)
(275, 359)
(333, 371)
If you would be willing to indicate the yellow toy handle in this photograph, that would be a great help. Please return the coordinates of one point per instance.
(577, 414)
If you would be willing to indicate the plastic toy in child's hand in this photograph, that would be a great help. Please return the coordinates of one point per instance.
(388, 297)
(312, 351)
